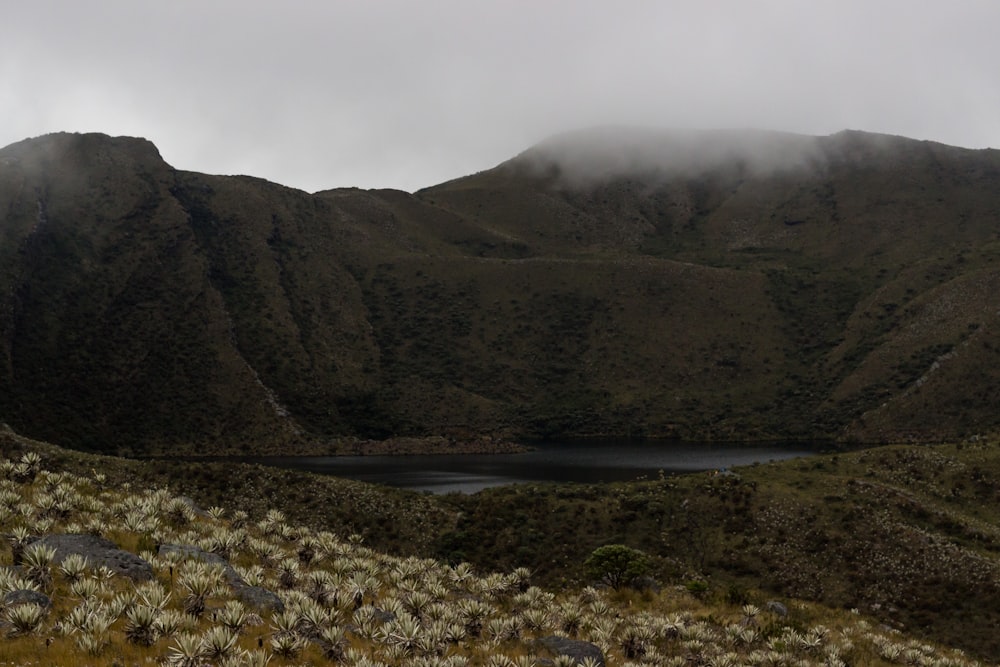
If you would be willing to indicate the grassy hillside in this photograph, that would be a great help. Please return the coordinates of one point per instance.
(902, 533)
(707, 286)
(906, 535)
(323, 593)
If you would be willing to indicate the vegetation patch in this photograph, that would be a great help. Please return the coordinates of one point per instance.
(325, 597)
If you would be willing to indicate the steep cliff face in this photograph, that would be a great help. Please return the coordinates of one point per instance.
(704, 286)
(113, 331)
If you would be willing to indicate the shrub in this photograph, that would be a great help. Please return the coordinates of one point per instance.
(616, 564)
(25, 618)
(696, 587)
(140, 625)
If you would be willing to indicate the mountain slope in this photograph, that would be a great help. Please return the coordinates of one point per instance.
(877, 249)
(715, 285)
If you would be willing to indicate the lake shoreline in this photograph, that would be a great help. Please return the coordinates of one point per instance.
(444, 445)
(583, 461)
(428, 446)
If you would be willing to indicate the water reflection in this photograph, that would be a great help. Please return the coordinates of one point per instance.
(587, 461)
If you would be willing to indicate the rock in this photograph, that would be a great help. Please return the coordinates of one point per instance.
(24, 596)
(380, 615)
(188, 552)
(574, 648)
(646, 584)
(383, 616)
(256, 597)
(776, 607)
(193, 505)
(99, 552)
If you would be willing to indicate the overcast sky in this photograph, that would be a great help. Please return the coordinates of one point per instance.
(408, 93)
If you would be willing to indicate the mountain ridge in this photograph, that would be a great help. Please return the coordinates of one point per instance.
(153, 310)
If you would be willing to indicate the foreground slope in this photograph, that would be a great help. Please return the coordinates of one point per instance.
(706, 285)
(223, 588)
(906, 536)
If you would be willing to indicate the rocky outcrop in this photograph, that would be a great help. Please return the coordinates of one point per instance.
(777, 608)
(573, 648)
(99, 552)
(25, 596)
(256, 597)
(188, 552)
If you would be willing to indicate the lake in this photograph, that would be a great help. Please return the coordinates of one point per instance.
(578, 461)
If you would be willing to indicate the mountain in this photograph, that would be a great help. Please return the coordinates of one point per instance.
(621, 281)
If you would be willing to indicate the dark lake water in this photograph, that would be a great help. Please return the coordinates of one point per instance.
(585, 461)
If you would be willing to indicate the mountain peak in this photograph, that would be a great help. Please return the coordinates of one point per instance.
(83, 150)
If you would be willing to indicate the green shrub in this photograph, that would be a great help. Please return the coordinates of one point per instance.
(696, 587)
(616, 564)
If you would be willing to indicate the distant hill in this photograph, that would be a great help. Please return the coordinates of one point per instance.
(619, 281)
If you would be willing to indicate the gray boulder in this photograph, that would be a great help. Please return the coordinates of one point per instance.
(193, 505)
(646, 584)
(255, 597)
(777, 608)
(24, 596)
(188, 552)
(574, 648)
(99, 552)
(258, 598)
(383, 616)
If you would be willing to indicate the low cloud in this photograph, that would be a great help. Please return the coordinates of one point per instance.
(648, 154)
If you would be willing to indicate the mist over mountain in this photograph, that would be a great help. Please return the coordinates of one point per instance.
(589, 157)
(725, 284)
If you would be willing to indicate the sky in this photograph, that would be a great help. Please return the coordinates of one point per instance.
(317, 94)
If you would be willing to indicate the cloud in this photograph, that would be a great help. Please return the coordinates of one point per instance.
(396, 93)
